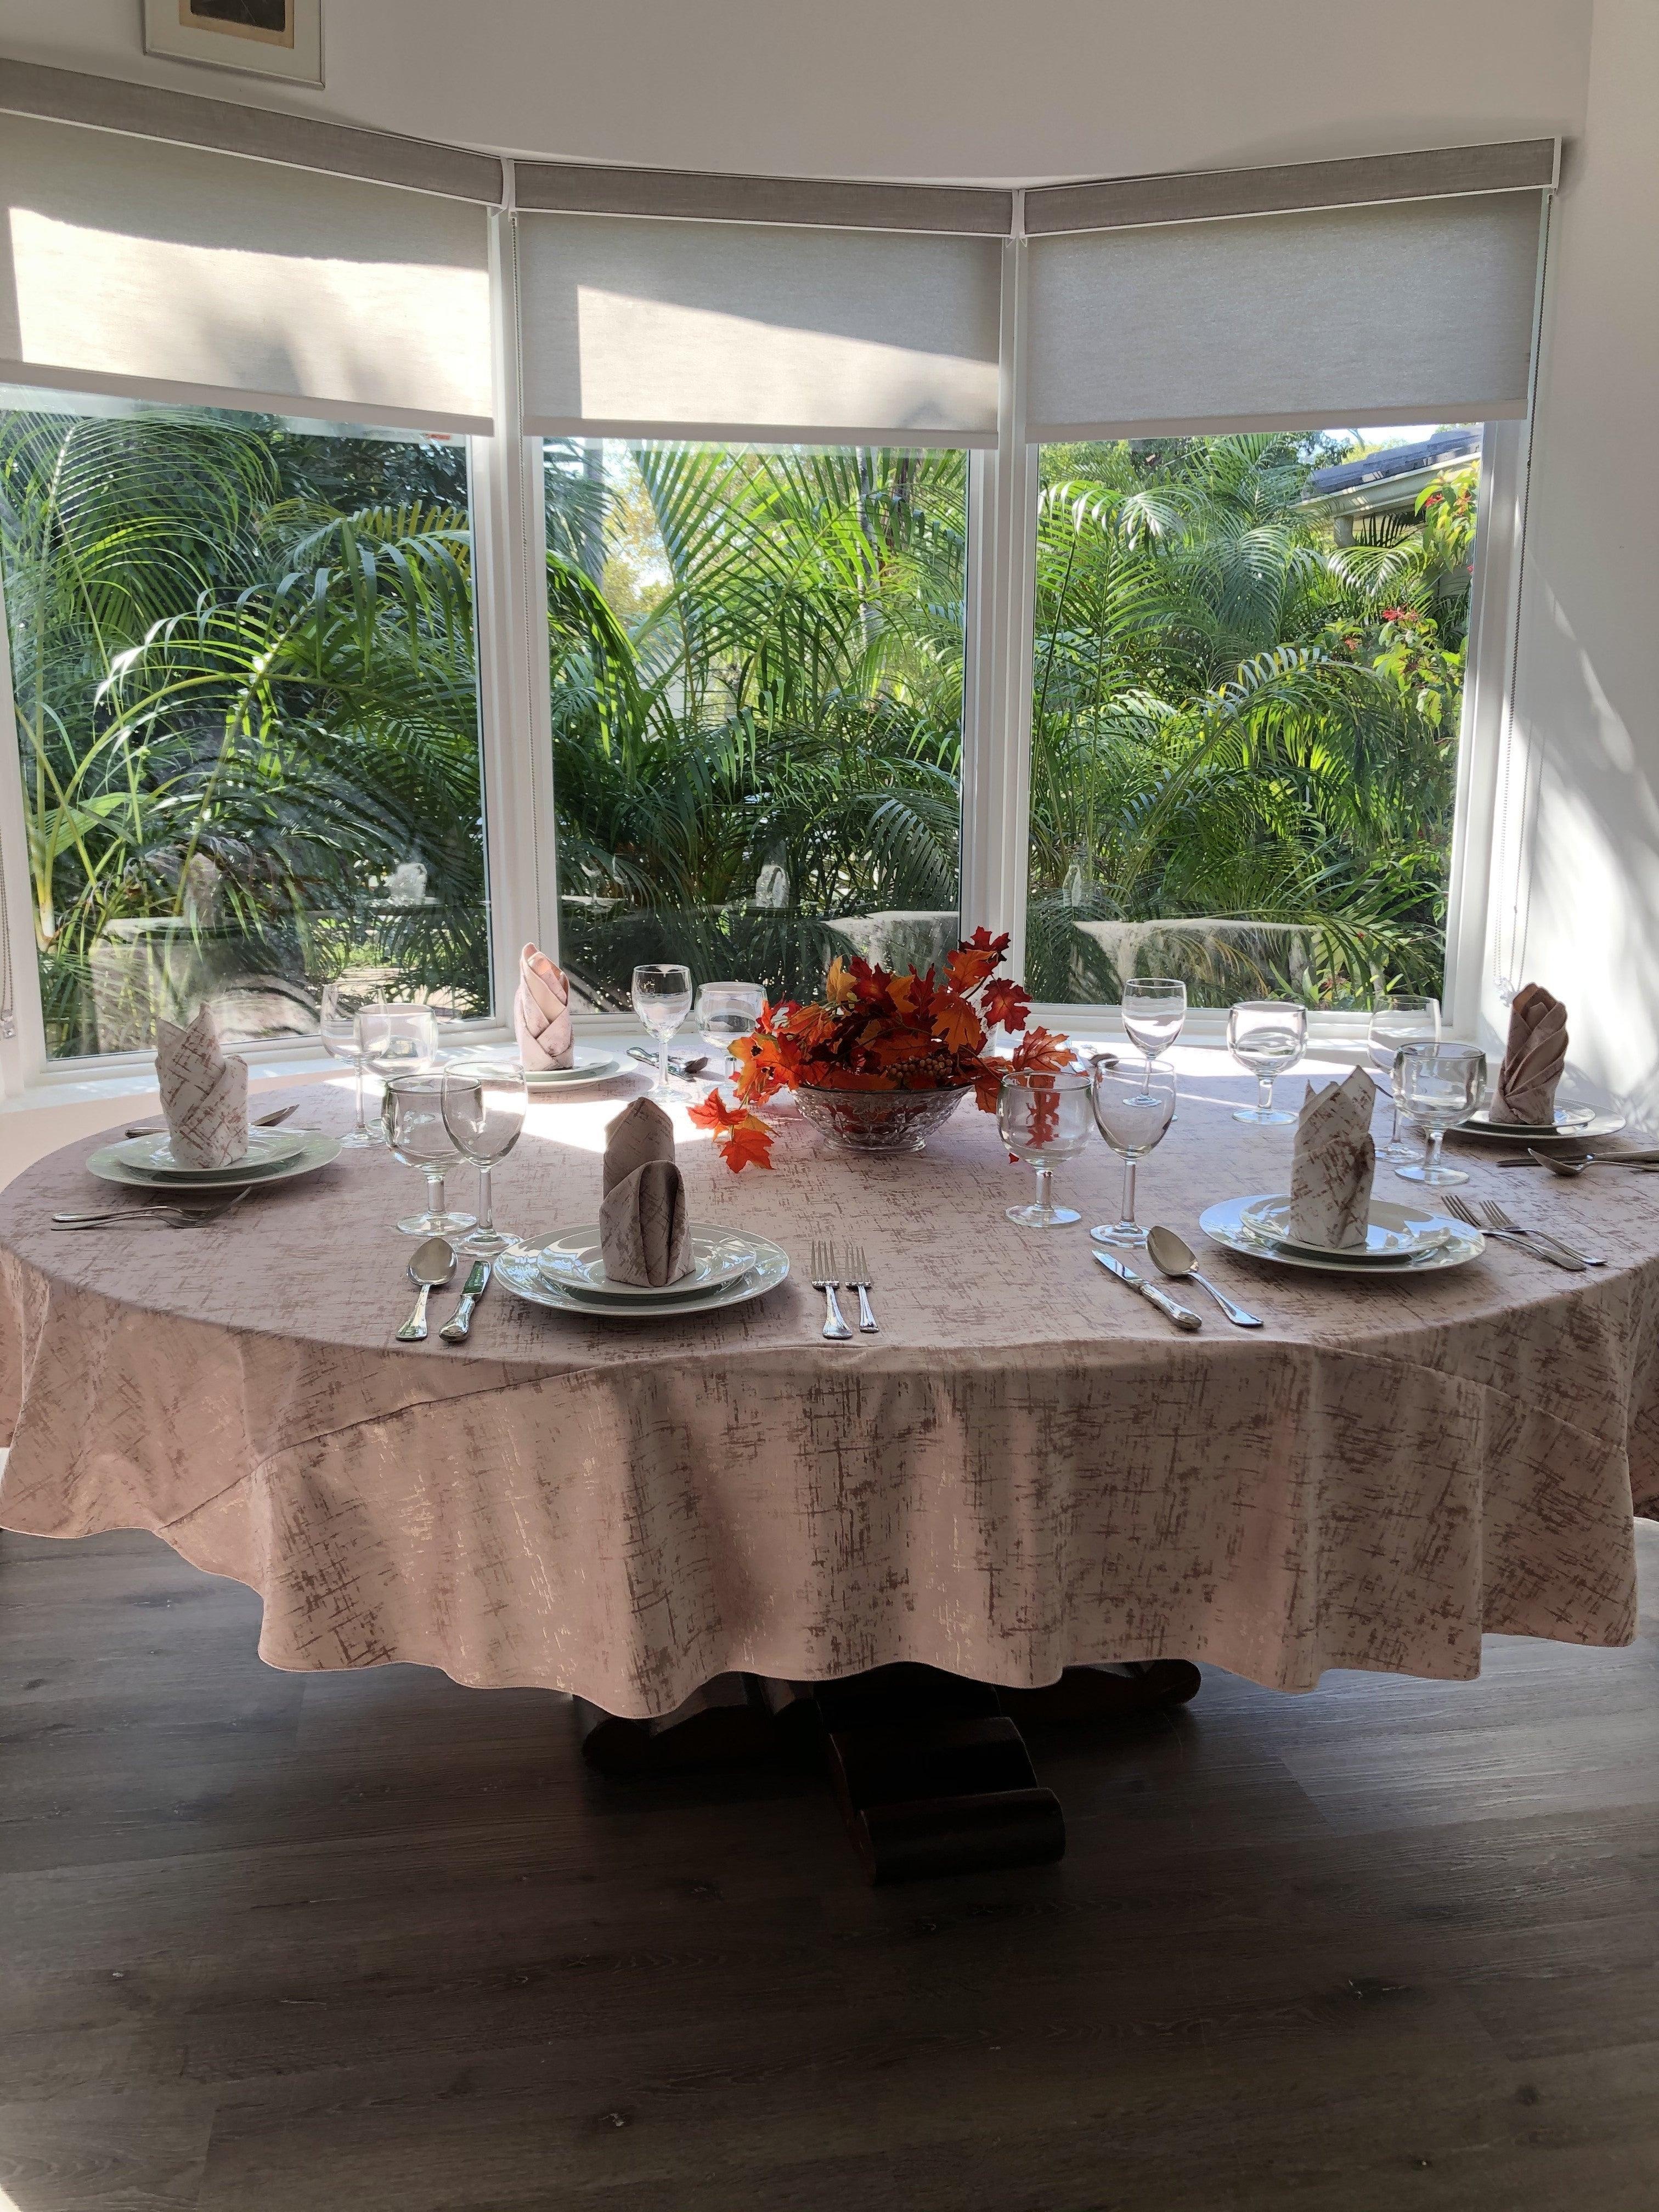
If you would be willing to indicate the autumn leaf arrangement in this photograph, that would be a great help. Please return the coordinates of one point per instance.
(877, 1029)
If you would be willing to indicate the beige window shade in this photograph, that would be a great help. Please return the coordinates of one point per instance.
(169, 272)
(731, 330)
(1415, 312)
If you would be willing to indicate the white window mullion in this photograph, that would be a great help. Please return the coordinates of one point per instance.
(23, 1026)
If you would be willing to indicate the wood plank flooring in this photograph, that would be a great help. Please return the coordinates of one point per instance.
(284, 1943)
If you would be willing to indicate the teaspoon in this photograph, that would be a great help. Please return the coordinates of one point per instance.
(1173, 1256)
(433, 1264)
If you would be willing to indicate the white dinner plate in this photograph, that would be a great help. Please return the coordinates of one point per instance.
(266, 1149)
(571, 1259)
(1393, 1233)
(1570, 1122)
(316, 1152)
(590, 1066)
(1224, 1224)
(521, 1273)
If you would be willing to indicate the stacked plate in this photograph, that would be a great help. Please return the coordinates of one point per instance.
(272, 1155)
(1399, 1239)
(590, 1065)
(566, 1273)
(1570, 1122)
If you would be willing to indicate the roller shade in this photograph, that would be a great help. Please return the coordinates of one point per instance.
(735, 331)
(1419, 312)
(170, 272)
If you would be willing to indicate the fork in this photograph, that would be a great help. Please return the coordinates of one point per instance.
(1497, 1219)
(857, 1278)
(823, 1278)
(155, 1216)
(1478, 1215)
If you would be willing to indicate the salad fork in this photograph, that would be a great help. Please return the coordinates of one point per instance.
(1477, 1214)
(823, 1278)
(1494, 1218)
(857, 1278)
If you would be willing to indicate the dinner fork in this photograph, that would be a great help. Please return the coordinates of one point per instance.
(1477, 1215)
(823, 1278)
(154, 1217)
(857, 1278)
(1501, 1223)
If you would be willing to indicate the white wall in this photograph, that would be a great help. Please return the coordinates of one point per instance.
(926, 89)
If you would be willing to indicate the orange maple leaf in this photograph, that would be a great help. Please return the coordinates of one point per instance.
(1005, 1006)
(744, 1139)
(1042, 1048)
(956, 1025)
(970, 966)
(838, 984)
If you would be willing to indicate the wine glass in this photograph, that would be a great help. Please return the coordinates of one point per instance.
(484, 1104)
(1154, 1014)
(1266, 1035)
(1400, 1018)
(337, 1024)
(1437, 1085)
(1043, 1119)
(726, 1011)
(1132, 1113)
(398, 1039)
(412, 1110)
(662, 1000)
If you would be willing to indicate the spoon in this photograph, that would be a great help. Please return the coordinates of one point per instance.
(1173, 1256)
(433, 1264)
(1576, 1167)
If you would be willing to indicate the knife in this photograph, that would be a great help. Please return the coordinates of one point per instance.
(257, 1122)
(683, 1067)
(477, 1282)
(1182, 1316)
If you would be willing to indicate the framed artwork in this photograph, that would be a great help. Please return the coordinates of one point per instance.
(265, 38)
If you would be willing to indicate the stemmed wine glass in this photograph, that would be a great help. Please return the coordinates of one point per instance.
(662, 1000)
(1266, 1035)
(398, 1039)
(726, 1011)
(1154, 1014)
(1437, 1085)
(1132, 1113)
(1400, 1018)
(412, 1110)
(337, 1025)
(1043, 1119)
(483, 1105)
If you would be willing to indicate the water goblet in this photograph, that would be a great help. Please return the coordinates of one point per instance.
(1400, 1018)
(1132, 1113)
(1154, 1014)
(1266, 1035)
(398, 1039)
(484, 1104)
(1043, 1119)
(337, 1024)
(662, 1000)
(1437, 1085)
(726, 1011)
(412, 1110)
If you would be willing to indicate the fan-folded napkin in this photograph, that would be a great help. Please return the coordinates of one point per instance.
(1334, 1165)
(642, 1225)
(203, 1094)
(1533, 1059)
(541, 1014)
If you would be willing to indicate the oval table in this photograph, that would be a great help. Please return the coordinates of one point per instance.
(1027, 1469)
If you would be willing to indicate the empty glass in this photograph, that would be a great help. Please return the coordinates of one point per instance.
(1154, 1014)
(1437, 1085)
(1131, 1112)
(1266, 1035)
(483, 1105)
(1043, 1119)
(337, 1024)
(412, 1112)
(726, 1011)
(662, 1000)
(398, 1040)
(1400, 1019)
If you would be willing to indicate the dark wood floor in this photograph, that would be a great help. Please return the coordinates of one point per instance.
(275, 1943)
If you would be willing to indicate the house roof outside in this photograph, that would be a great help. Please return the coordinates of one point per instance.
(1389, 481)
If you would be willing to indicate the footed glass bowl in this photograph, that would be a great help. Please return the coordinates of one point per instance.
(879, 1121)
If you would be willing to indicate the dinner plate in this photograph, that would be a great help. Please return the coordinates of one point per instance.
(316, 1152)
(266, 1149)
(572, 1258)
(1224, 1224)
(521, 1273)
(1570, 1122)
(1393, 1233)
(590, 1066)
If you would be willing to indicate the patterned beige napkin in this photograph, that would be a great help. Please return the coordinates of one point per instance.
(1533, 1059)
(1336, 1161)
(203, 1094)
(541, 1014)
(642, 1225)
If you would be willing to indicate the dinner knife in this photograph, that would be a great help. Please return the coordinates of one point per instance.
(1182, 1316)
(477, 1282)
(683, 1067)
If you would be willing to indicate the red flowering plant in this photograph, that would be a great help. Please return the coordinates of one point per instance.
(874, 1030)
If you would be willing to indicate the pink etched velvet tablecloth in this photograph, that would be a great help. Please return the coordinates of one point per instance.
(1028, 1469)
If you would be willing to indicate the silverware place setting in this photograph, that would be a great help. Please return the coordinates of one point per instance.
(454, 1330)
(825, 1279)
(1174, 1259)
(1182, 1316)
(1487, 1215)
(433, 1265)
(272, 1120)
(1574, 1163)
(857, 1277)
(154, 1217)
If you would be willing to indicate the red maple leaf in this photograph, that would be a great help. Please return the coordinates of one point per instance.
(1041, 1050)
(956, 1025)
(1005, 1006)
(744, 1139)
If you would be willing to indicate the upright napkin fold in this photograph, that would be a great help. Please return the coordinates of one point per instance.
(203, 1094)
(541, 1013)
(1533, 1059)
(643, 1227)
(1334, 1165)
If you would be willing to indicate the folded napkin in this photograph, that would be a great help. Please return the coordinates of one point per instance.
(1333, 1164)
(203, 1094)
(642, 1225)
(541, 1014)
(1533, 1059)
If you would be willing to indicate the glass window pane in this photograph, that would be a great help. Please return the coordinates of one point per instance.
(756, 664)
(1248, 677)
(247, 714)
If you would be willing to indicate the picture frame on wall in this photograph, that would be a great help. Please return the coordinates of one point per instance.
(262, 37)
